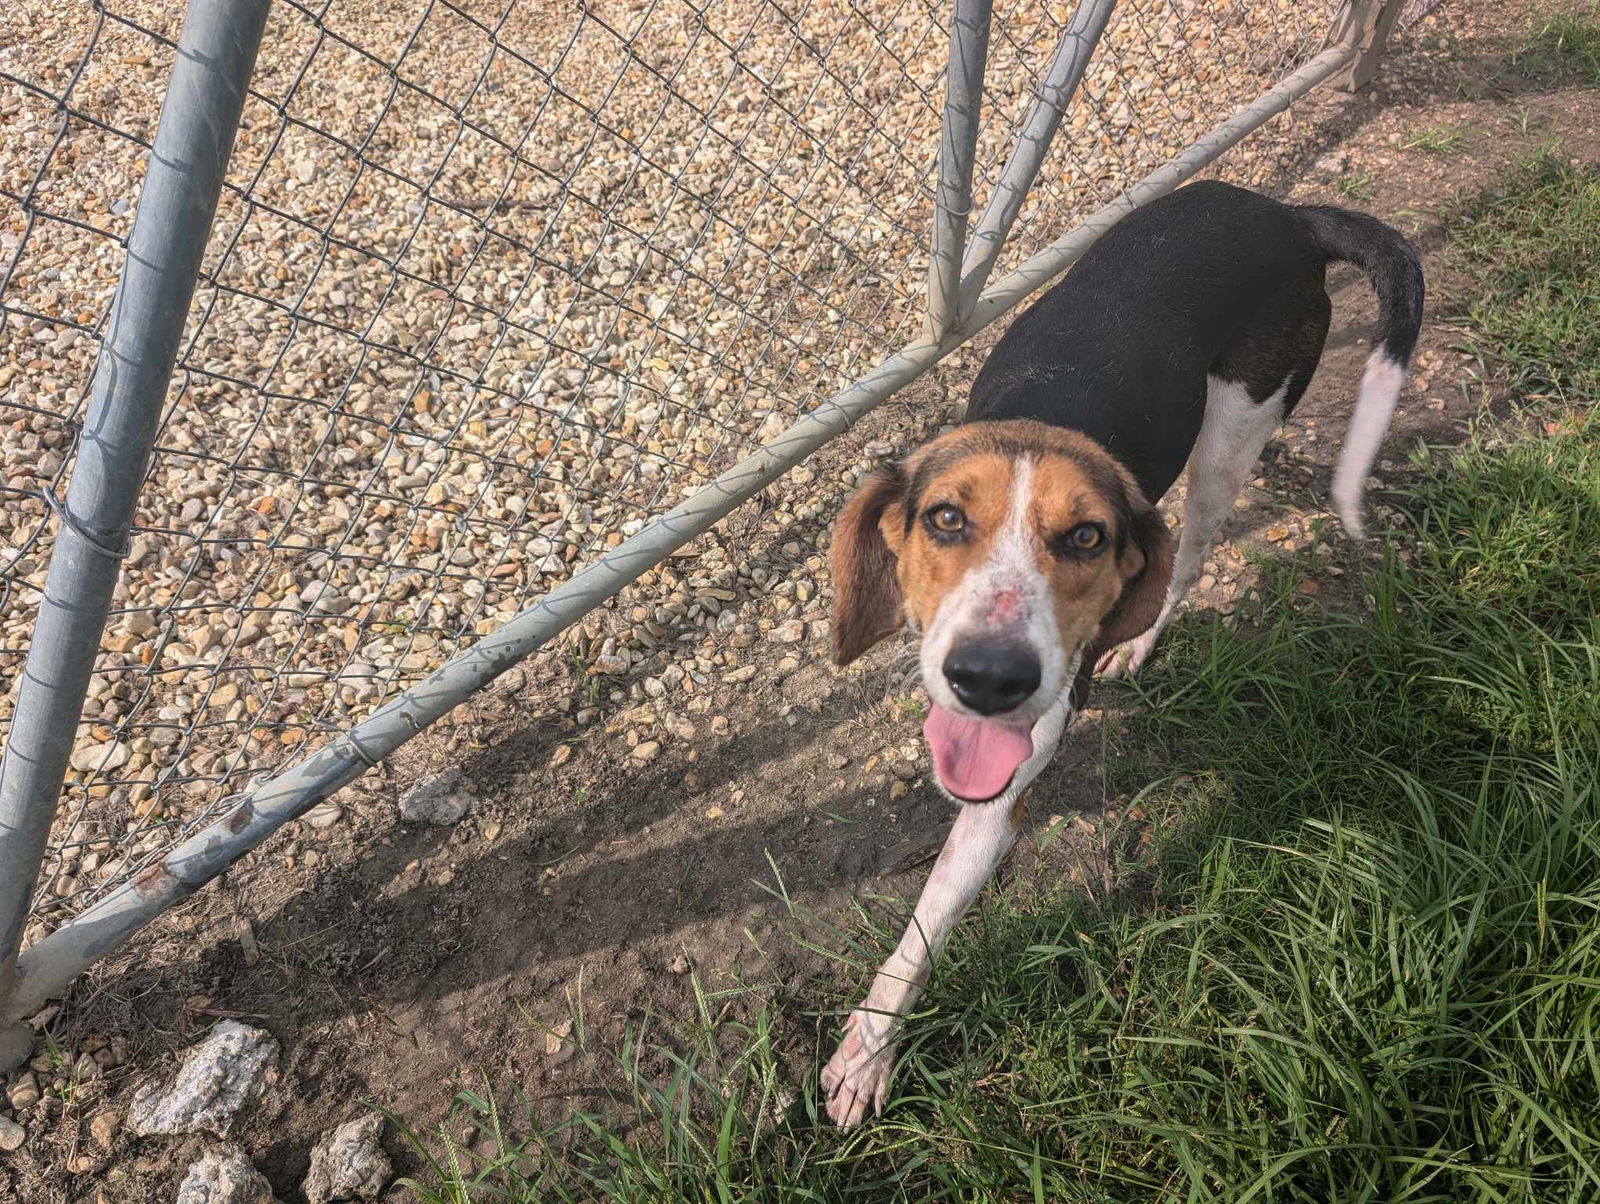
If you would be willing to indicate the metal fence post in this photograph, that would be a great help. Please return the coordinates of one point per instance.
(199, 117)
(1076, 48)
(1366, 24)
(958, 142)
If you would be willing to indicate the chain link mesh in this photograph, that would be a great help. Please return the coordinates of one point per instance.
(491, 283)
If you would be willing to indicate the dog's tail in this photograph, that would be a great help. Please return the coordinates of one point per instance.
(1391, 263)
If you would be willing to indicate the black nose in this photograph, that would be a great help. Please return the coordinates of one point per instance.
(992, 678)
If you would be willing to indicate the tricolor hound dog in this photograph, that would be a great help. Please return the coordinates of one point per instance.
(1025, 546)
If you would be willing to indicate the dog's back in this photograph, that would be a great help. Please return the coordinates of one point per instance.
(1212, 283)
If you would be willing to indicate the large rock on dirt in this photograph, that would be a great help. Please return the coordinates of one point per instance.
(441, 799)
(219, 1078)
(225, 1176)
(349, 1164)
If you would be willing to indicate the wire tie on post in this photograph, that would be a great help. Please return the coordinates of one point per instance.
(59, 508)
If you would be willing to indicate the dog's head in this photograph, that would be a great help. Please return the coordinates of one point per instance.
(1017, 550)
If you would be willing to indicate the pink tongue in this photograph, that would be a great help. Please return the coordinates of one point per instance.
(975, 758)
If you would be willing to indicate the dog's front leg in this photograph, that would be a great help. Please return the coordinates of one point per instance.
(857, 1078)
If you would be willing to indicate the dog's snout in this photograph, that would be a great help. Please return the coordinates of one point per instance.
(992, 678)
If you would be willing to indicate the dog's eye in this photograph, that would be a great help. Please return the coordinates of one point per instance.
(1084, 539)
(946, 520)
(1086, 536)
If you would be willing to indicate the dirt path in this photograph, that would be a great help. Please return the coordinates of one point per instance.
(627, 830)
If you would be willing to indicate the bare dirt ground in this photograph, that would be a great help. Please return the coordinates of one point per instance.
(611, 850)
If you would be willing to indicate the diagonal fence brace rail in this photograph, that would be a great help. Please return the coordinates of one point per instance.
(48, 967)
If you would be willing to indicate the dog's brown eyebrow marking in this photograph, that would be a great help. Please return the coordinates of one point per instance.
(930, 466)
(941, 461)
(1109, 486)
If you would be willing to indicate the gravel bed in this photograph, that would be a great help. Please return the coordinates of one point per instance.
(489, 287)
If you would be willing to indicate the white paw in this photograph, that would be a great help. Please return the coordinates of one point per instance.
(1127, 659)
(856, 1079)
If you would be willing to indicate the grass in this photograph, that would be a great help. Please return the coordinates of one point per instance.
(1528, 253)
(1357, 186)
(1442, 141)
(1563, 47)
(1359, 959)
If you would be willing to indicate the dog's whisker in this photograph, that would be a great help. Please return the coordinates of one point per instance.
(905, 675)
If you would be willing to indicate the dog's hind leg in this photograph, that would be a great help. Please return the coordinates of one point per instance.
(1235, 431)
(1249, 393)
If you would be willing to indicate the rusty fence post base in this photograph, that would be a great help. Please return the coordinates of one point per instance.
(1366, 24)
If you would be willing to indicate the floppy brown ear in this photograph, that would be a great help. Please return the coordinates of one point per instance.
(1146, 564)
(866, 593)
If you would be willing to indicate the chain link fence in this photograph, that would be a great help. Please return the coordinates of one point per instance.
(491, 284)
(1415, 10)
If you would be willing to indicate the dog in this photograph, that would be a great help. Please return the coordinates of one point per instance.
(1024, 545)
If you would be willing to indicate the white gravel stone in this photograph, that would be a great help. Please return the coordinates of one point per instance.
(349, 1164)
(219, 1078)
(225, 1176)
(442, 799)
(24, 1093)
(324, 815)
(102, 758)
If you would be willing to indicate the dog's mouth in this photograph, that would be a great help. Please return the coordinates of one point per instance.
(975, 758)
